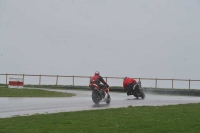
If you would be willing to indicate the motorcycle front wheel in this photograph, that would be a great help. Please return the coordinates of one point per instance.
(108, 99)
(142, 95)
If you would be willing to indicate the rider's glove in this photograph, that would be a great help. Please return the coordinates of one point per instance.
(107, 86)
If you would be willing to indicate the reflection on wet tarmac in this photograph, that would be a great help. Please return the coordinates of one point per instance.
(10, 107)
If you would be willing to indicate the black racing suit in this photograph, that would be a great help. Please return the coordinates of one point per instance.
(130, 88)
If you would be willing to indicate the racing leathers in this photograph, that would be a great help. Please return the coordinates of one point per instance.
(128, 84)
(96, 79)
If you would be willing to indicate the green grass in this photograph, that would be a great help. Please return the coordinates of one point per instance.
(47, 86)
(159, 119)
(11, 92)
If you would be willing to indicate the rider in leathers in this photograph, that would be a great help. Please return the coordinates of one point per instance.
(128, 84)
(97, 79)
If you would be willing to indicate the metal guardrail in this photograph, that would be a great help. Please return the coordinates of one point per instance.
(106, 78)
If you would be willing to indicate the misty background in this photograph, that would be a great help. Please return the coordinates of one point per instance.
(118, 38)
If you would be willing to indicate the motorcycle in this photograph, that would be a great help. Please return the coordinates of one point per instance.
(138, 91)
(99, 94)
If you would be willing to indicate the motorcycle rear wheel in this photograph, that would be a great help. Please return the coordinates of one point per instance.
(95, 98)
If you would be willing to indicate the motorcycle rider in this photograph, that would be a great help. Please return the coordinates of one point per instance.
(97, 79)
(128, 84)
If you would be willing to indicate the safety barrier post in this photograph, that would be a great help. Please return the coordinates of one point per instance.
(139, 82)
(156, 83)
(56, 80)
(6, 78)
(23, 78)
(189, 84)
(73, 80)
(172, 83)
(40, 80)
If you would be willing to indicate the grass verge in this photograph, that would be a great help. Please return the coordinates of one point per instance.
(166, 119)
(11, 92)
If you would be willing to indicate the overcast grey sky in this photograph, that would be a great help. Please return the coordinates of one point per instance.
(136, 38)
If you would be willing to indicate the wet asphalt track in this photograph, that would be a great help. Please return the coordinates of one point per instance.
(10, 107)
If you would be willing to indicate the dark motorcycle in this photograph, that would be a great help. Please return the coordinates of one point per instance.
(100, 95)
(138, 91)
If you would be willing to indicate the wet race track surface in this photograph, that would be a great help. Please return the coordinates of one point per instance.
(82, 101)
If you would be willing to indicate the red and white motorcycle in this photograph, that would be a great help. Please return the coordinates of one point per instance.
(100, 95)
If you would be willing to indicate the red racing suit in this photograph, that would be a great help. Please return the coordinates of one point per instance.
(127, 82)
(96, 79)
